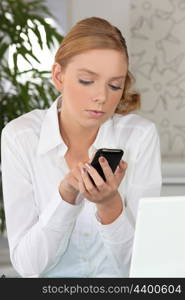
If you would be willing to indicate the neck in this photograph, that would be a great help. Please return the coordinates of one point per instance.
(74, 135)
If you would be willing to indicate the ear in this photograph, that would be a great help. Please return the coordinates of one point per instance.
(57, 76)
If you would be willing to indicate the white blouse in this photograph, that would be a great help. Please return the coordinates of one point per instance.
(49, 237)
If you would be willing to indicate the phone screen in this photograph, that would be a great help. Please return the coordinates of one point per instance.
(113, 156)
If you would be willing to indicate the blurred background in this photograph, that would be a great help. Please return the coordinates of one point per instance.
(30, 32)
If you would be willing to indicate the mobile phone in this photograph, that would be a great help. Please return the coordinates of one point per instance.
(113, 156)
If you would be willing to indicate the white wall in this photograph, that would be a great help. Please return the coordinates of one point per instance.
(115, 11)
(158, 61)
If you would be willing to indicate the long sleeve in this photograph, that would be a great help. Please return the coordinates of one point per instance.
(144, 180)
(36, 241)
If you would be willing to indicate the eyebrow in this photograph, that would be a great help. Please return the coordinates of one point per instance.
(95, 74)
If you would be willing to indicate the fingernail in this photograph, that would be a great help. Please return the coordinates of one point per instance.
(124, 165)
(102, 159)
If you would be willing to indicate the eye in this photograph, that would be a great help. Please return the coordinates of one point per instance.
(114, 88)
(85, 82)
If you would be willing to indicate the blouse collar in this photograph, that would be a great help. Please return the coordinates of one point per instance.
(50, 136)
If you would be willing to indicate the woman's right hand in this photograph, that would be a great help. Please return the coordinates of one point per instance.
(69, 187)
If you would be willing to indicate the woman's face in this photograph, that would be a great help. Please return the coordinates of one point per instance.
(93, 84)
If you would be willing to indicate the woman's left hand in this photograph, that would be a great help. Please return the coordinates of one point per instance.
(102, 190)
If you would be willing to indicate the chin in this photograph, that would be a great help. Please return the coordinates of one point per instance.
(94, 123)
(90, 123)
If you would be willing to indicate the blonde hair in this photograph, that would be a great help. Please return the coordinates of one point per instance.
(97, 33)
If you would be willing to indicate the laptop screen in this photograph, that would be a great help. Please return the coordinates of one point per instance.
(159, 241)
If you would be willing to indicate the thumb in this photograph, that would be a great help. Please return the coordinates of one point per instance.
(120, 170)
(92, 156)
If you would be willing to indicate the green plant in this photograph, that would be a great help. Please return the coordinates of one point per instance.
(22, 91)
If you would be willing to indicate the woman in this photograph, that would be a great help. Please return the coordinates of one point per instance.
(59, 224)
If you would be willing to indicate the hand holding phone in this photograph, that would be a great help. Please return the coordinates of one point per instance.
(113, 156)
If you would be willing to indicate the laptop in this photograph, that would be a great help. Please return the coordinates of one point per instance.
(159, 241)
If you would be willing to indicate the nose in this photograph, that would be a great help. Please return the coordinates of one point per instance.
(100, 95)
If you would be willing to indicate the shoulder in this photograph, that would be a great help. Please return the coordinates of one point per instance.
(136, 135)
(27, 124)
(134, 121)
(133, 130)
(128, 132)
(133, 125)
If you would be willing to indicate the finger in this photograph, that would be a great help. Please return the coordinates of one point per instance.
(73, 181)
(106, 169)
(93, 155)
(90, 187)
(120, 171)
(77, 171)
(98, 180)
(81, 186)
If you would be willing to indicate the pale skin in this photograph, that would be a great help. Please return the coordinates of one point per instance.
(92, 80)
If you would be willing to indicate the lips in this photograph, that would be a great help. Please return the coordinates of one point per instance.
(95, 113)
